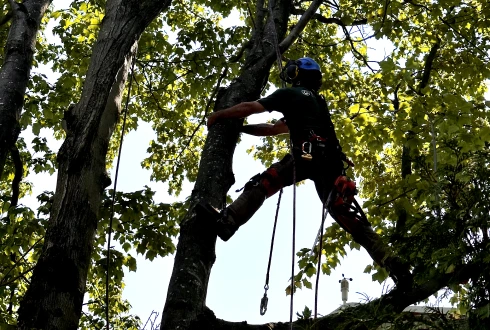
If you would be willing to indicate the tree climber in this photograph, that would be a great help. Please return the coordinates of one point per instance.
(307, 119)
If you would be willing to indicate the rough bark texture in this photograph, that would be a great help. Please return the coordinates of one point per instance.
(14, 75)
(195, 255)
(54, 298)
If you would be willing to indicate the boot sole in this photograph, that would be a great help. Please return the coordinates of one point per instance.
(223, 230)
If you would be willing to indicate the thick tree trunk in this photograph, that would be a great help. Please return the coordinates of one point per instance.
(14, 75)
(186, 297)
(54, 298)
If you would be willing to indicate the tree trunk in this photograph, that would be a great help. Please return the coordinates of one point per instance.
(54, 298)
(14, 75)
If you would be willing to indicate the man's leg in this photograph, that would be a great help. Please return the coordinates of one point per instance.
(255, 192)
(363, 233)
(379, 251)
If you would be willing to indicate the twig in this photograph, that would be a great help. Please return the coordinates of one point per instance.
(328, 20)
(208, 105)
(429, 61)
(17, 277)
(464, 37)
(4, 20)
(394, 199)
(19, 169)
(353, 47)
(21, 258)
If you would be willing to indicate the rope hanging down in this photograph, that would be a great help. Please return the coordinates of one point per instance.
(279, 64)
(320, 247)
(126, 106)
(265, 300)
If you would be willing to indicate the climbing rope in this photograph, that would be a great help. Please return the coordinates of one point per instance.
(265, 300)
(279, 64)
(111, 219)
(294, 242)
(320, 238)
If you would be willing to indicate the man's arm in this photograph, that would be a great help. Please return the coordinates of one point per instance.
(279, 127)
(240, 110)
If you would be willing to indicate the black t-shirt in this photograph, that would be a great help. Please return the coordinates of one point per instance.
(304, 111)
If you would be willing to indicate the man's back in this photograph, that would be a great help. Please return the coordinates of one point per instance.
(304, 111)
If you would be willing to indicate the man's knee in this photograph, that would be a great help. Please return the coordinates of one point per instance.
(269, 181)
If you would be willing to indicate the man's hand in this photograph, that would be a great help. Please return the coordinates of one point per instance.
(279, 127)
(240, 110)
(212, 119)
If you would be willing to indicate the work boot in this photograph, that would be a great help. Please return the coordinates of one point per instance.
(225, 226)
(239, 212)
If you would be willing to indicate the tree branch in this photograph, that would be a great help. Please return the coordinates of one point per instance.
(300, 26)
(393, 302)
(19, 169)
(394, 199)
(17, 262)
(429, 61)
(353, 47)
(5, 19)
(235, 58)
(328, 20)
(464, 37)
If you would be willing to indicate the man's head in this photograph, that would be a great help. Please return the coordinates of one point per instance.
(303, 72)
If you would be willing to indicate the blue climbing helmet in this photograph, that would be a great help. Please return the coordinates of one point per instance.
(307, 63)
(303, 72)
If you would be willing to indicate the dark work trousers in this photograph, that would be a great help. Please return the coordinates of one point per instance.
(323, 171)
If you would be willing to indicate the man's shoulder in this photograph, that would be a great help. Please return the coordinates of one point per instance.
(293, 91)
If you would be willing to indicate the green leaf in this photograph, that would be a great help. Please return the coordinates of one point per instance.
(36, 128)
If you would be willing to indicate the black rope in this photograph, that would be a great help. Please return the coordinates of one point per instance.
(273, 236)
(294, 241)
(264, 300)
(126, 106)
(276, 42)
(279, 64)
(324, 211)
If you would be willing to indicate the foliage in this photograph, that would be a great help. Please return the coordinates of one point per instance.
(419, 98)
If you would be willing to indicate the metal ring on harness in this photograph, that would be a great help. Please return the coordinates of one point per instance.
(306, 153)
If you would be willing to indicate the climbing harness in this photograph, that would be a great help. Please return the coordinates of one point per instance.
(314, 143)
(111, 219)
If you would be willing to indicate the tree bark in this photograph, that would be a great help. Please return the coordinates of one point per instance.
(54, 298)
(14, 74)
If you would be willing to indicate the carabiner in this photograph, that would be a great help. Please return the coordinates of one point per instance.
(263, 304)
(306, 153)
(303, 147)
